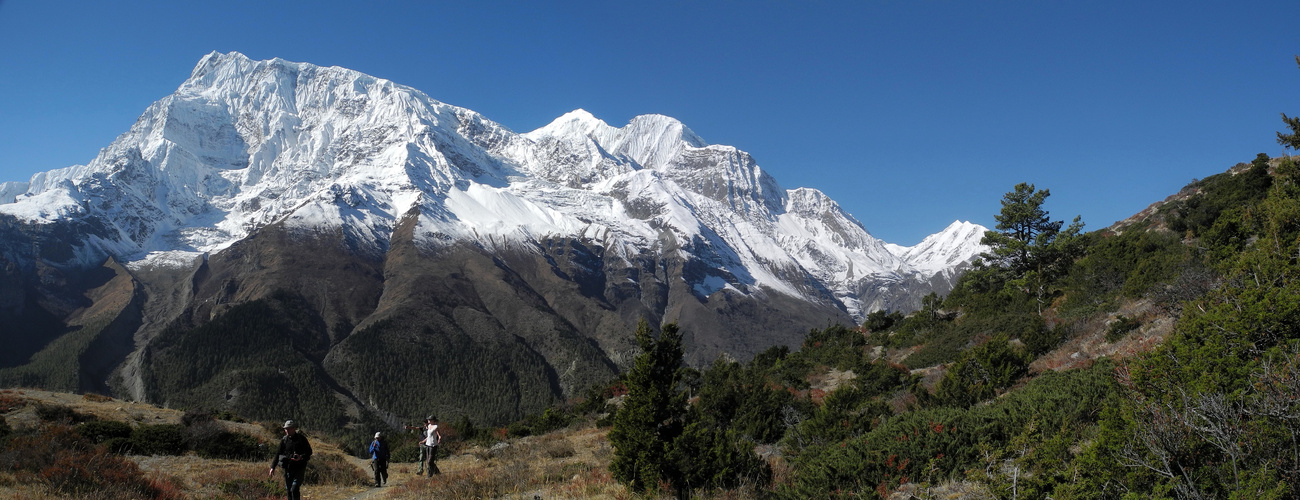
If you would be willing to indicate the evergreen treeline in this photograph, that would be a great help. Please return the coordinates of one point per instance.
(411, 370)
(260, 359)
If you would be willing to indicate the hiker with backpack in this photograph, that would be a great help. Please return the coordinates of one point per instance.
(379, 459)
(292, 456)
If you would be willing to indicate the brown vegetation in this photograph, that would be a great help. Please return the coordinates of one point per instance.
(570, 463)
(48, 459)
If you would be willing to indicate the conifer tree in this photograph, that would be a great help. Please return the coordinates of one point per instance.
(1029, 244)
(653, 414)
(1291, 140)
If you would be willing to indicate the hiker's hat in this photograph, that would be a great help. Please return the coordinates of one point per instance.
(290, 424)
(377, 434)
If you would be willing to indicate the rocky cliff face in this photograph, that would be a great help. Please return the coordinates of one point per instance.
(397, 238)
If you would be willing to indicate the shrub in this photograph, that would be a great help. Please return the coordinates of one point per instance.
(195, 417)
(60, 458)
(1042, 340)
(1121, 327)
(96, 398)
(519, 429)
(59, 414)
(709, 457)
(231, 445)
(881, 320)
(158, 439)
(551, 419)
(334, 470)
(10, 401)
(405, 452)
(981, 372)
(99, 431)
(118, 445)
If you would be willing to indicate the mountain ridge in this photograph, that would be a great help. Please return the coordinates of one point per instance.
(221, 196)
(361, 227)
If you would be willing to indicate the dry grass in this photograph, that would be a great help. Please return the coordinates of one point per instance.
(566, 464)
(337, 476)
(1091, 344)
(949, 490)
(831, 379)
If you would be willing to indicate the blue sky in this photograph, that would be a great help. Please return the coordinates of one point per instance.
(910, 114)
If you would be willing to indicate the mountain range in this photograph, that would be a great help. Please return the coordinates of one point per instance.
(283, 238)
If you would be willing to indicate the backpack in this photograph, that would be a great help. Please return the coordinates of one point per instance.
(379, 449)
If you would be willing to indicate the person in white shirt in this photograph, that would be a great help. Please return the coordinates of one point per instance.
(432, 438)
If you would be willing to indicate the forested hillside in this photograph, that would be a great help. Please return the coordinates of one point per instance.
(1157, 358)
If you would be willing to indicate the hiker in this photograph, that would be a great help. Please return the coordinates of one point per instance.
(423, 452)
(293, 455)
(379, 459)
(431, 440)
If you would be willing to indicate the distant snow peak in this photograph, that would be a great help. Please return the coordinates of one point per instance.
(575, 125)
(9, 191)
(652, 141)
(956, 244)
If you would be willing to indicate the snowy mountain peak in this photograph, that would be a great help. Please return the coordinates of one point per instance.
(811, 202)
(243, 144)
(574, 125)
(652, 141)
(956, 244)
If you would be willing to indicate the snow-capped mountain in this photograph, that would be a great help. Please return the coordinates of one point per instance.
(944, 252)
(376, 219)
(243, 144)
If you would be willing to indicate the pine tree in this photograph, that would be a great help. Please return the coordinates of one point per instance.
(1291, 140)
(653, 414)
(1029, 244)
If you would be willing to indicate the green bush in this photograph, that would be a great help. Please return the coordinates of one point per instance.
(740, 399)
(881, 320)
(1042, 340)
(158, 439)
(60, 414)
(118, 445)
(981, 372)
(232, 446)
(57, 457)
(408, 451)
(1218, 193)
(99, 431)
(333, 470)
(709, 457)
(1121, 327)
(519, 429)
(551, 419)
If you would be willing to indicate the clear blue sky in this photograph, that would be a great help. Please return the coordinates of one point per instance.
(911, 114)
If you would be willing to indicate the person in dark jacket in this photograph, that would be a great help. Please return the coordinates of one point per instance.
(379, 459)
(293, 455)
